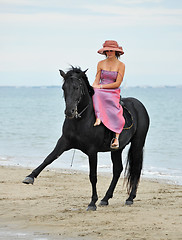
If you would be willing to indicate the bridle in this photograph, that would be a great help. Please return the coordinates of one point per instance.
(77, 114)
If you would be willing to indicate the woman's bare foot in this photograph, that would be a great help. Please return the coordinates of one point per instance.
(97, 122)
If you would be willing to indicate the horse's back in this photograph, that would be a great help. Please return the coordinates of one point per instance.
(136, 104)
(138, 111)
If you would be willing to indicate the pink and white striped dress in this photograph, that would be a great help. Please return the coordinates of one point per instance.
(106, 103)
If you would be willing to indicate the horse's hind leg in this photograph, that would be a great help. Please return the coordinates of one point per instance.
(116, 158)
(61, 146)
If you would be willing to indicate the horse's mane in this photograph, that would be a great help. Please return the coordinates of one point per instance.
(82, 75)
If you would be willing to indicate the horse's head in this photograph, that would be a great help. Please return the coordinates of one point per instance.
(75, 86)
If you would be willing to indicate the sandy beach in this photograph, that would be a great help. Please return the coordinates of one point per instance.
(56, 206)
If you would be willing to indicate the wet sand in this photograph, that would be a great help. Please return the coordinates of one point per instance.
(55, 207)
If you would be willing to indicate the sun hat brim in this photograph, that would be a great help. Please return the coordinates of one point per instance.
(111, 45)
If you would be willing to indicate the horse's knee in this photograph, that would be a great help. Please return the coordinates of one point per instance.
(93, 179)
(117, 171)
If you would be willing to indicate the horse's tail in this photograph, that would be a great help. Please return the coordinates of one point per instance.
(133, 166)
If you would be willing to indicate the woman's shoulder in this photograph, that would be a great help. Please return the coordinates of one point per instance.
(121, 68)
(121, 64)
(100, 63)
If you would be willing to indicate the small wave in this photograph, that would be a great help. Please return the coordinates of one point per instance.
(4, 159)
(104, 166)
(172, 176)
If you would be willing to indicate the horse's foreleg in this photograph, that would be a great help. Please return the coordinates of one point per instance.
(61, 146)
(93, 180)
(117, 169)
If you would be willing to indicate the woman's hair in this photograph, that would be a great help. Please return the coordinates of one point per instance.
(117, 54)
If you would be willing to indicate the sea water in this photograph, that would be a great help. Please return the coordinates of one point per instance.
(31, 120)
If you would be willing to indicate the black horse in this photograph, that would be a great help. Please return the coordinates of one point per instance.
(79, 133)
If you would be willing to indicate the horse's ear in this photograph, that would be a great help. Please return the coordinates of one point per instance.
(85, 70)
(62, 73)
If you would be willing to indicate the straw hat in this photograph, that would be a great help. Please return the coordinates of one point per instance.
(111, 45)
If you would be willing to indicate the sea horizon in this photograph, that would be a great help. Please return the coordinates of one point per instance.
(58, 86)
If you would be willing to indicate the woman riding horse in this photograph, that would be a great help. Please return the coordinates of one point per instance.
(79, 133)
(110, 73)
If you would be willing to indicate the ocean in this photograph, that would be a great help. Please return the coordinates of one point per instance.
(31, 120)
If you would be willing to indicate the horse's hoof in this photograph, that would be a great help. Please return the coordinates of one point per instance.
(103, 203)
(128, 202)
(91, 208)
(28, 180)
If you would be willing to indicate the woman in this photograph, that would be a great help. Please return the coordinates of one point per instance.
(110, 73)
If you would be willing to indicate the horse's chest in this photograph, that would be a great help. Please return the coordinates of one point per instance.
(77, 134)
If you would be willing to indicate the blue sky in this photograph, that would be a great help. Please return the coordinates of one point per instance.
(39, 37)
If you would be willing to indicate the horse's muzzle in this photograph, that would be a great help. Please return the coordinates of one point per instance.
(71, 113)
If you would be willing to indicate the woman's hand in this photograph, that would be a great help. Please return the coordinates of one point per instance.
(96, 85)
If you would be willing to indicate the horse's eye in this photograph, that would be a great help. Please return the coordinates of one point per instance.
(75, 88)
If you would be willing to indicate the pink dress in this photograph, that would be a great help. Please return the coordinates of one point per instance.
(106, 103)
